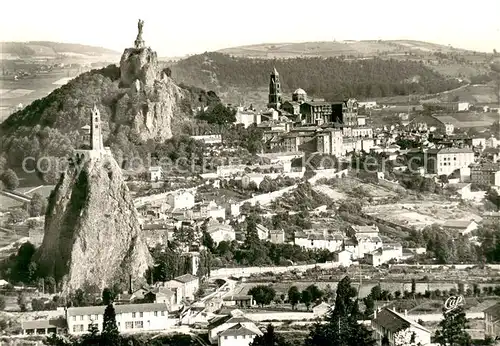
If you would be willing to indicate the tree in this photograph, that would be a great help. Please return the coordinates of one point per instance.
(37, 304)
(110, 334)
(452, 327)
(50, 284)
(107, 296)
(376, 292)
(294, 296)
(37, 205)
(306, 298)
(263, 295)
(370, 306)
(207, 241)
(58, 340)
(315, 292)
(21, 301)
(341, 327)
(2, 303)
(10, 179)
(269, 338)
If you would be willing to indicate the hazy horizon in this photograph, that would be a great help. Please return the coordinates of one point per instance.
(181, 28)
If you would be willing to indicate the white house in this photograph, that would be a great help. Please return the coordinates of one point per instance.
(277, 236)
(155, 173)
(208, 139)
(237, 335)
(262, 231)
(221, 232)
(385, 254)
(256, 178)
(129, 318)
(190, 285)
(343, 257)
(222, 323)
(176, 287)
(464, 227)
(319, 239)
(394, 326)
(181, 200)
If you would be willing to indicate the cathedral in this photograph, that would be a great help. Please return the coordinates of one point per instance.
(311, 111)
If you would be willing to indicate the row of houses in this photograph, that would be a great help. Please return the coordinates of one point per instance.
(233, 328)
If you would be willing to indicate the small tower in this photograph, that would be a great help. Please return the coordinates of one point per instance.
(95, 130)
(274, 90)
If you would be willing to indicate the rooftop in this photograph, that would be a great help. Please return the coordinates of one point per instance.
(237, 330)
(186, 278)
(494, 312)
(119, 309)
(451, 151)
(395, 322)
(228, 319)
(460, 224)
(42, 324)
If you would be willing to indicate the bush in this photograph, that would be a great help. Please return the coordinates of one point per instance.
(10, 179)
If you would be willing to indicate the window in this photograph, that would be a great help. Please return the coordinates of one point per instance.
(163, 313)
(129, 325)
(141, 314)
(156, 313)
(138, 325)
(81, 317)
(225, 337)
(78, 328)
(74, 318)
(97, 126)
(133, 314)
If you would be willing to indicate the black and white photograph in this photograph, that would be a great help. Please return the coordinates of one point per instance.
(224, 173)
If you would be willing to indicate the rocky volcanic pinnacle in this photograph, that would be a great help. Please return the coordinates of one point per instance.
(153, 97)
(92, 234)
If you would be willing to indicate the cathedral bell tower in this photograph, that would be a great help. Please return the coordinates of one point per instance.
(274, 90)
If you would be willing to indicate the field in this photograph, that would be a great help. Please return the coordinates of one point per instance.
(338, 48)
(421, 214)
(471, 93)
(469, 119)
(25, 91)
(356, 188)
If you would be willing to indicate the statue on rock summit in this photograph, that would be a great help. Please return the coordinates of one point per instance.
(139, 42)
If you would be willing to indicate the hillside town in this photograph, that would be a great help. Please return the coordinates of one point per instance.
(333, 210)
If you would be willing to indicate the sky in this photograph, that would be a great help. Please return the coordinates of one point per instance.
(177, 28)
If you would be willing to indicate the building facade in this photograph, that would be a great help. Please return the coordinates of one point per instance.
(485, 174)
(129, 318)
(322, 112)
(446, 161)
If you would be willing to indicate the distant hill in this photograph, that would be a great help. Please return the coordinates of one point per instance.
(48, 48)
(355, 49)
(331, 78)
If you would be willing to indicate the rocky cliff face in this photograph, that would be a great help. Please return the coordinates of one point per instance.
(153, 98)
(92, 234)
(138, 63)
